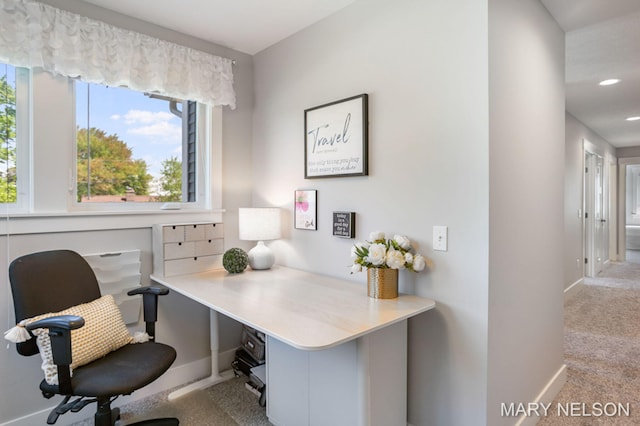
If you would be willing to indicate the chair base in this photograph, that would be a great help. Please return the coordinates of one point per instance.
(107, 416)
(157, 422)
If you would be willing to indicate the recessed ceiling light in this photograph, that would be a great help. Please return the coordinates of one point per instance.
(636, 118)
(609, 82)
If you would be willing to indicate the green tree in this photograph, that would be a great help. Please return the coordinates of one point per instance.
(171, 180)
(8, 193)
(113, 171)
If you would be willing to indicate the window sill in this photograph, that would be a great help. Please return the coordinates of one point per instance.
(38, 214)
(57, 221)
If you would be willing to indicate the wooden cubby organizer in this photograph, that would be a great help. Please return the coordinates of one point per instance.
(186, 248)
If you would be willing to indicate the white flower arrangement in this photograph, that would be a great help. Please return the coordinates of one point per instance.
(382, 252)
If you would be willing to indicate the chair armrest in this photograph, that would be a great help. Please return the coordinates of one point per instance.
(60, 334)
(150, 304)
(65, 322)
(158, 291)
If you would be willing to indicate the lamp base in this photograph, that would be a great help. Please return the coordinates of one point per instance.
(261, 257)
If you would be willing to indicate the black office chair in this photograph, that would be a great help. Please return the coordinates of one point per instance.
(53, 281)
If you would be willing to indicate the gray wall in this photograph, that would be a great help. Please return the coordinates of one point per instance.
(629, 151)
(526, 96)
(435, 161)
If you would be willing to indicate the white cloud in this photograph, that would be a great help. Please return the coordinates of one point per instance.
(161, 128)
(154, 124)
(136, 116)
(115, 117)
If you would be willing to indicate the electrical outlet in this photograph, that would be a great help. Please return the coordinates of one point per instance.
(440, 238)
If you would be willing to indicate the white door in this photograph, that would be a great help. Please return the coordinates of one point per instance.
(594, 214)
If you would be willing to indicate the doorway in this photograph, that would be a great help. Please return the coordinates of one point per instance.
(629, 235)
(596, 211)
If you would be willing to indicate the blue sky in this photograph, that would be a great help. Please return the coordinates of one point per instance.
(146, 125)
(10, 72)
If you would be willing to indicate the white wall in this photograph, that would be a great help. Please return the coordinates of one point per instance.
(526, 69)
(424, 66)
(576, 133)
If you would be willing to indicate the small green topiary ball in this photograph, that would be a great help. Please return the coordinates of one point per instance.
(235, 260)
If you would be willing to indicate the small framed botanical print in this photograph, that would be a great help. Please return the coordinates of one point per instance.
(306, 214)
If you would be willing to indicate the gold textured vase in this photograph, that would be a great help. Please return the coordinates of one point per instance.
(382, 283)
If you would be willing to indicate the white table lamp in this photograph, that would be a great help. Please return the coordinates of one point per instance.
(259, 224)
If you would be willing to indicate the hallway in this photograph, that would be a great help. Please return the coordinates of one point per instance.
(602, 350)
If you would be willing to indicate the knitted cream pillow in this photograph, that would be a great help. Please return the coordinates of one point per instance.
(104, 331)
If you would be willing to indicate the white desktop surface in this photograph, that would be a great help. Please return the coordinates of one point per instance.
(305, 310)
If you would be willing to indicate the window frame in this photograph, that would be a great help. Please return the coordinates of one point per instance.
(208, 123)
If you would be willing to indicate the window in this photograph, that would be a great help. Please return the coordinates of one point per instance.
(14, 119)
(133, 147)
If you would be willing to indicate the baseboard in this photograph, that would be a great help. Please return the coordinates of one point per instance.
(174, 377)
(547, 395)
(573, 289)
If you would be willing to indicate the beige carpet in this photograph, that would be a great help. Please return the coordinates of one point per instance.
(602, 351)
(225, 404)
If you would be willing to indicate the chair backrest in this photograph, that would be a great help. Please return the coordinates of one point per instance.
(49, 281)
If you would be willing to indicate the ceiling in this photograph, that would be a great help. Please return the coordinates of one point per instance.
(603, 41)
(248, 26)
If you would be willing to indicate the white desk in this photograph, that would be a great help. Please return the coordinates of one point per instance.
(334, 355)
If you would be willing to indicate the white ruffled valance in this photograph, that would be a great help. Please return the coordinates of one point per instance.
(33, 35)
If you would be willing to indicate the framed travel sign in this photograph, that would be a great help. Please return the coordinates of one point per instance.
(336, 139)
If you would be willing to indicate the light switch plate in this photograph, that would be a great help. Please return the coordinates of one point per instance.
(440, 238)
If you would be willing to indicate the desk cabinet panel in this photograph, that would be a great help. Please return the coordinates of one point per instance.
(360, 382)
(287, 384)
(314, 388)
(334, 386)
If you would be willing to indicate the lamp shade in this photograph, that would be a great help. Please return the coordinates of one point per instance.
(259, 224)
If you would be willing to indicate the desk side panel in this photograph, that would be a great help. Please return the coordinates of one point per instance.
(287, 384)
(314, 388)
(334, 391)
(383, 370)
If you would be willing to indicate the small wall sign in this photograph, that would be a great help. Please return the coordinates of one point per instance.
(344, 224)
